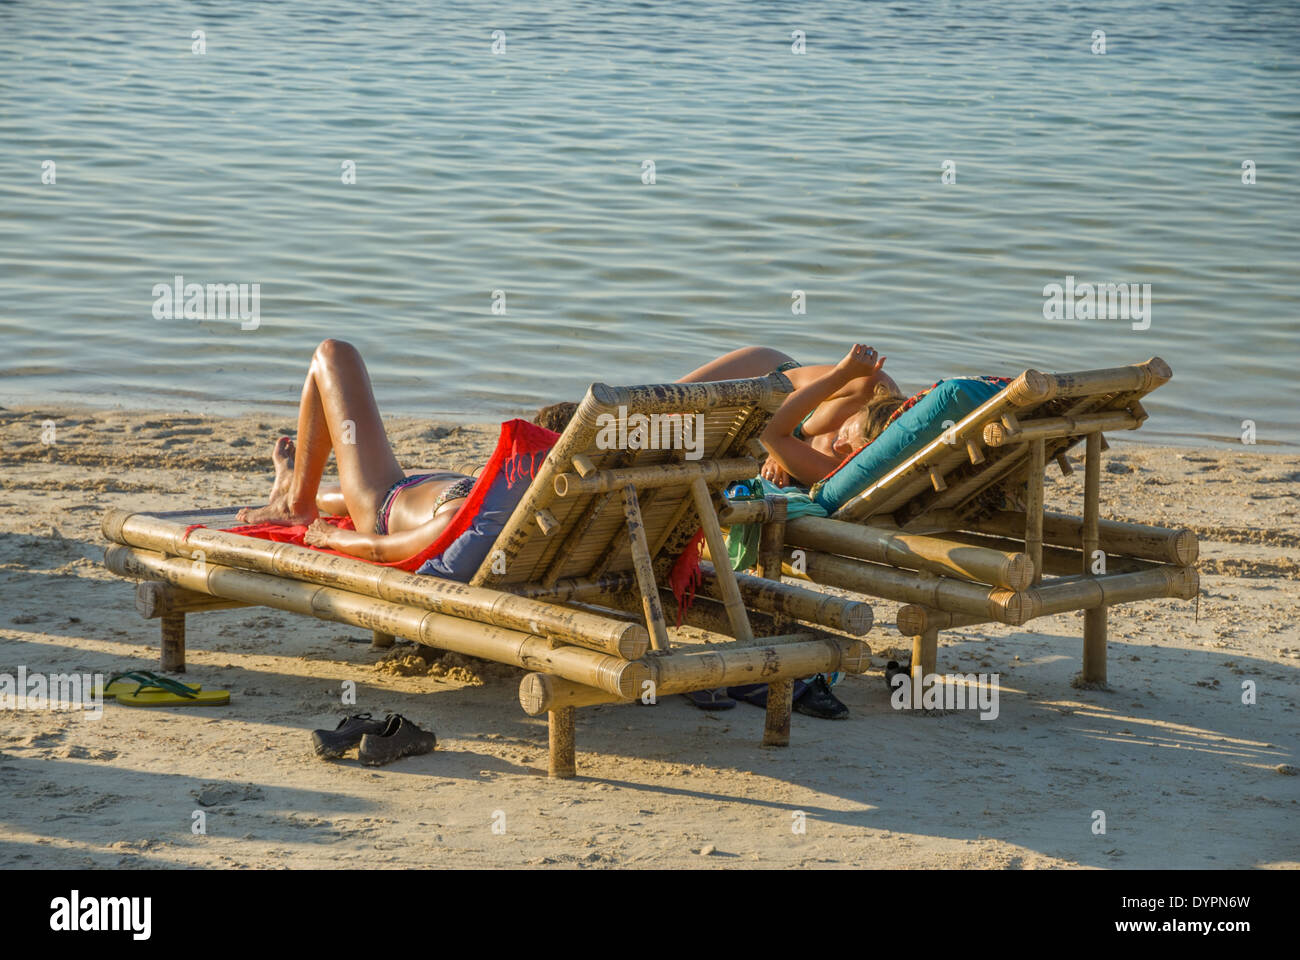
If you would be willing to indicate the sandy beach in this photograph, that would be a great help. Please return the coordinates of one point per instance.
(1186, 774)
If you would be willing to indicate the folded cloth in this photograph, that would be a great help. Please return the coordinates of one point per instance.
(742, 538)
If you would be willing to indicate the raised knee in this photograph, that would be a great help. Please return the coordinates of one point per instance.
(331, 351)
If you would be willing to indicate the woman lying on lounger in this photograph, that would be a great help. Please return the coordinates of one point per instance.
(835, 410)
(396, 515)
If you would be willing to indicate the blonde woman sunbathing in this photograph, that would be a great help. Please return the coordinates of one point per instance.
(396, 515)
(833, 412)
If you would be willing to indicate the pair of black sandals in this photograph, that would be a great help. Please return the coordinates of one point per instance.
(377, 741)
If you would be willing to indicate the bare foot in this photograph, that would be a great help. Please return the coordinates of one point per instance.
(278, 509)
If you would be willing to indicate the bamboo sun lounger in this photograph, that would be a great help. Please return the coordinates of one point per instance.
(959, 535)
(572, 589)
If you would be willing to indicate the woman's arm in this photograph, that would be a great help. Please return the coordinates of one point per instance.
(800, 460)
(376, 547)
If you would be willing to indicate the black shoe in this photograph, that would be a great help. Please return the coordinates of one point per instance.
(399, 738)
(818, 701)
(331, 744)
(892, 670)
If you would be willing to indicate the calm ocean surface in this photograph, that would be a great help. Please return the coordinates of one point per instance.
(522, 172)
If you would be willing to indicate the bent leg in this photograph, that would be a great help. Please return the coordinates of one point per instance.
(337, 413)
(745, 362)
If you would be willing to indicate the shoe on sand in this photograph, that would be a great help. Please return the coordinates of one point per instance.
(818, 701)
(399, 738)
(331, 744)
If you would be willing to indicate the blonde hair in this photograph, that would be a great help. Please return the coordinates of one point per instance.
(878, 410)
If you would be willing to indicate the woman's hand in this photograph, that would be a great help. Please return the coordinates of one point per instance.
(319, 533)
(773, 472)
(861, 361)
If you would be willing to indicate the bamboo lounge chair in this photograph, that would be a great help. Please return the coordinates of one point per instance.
(573, 587)
(957, 531)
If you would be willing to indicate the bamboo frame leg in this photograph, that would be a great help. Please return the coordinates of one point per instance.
(730, 590)
(1034, 508)
(562, 761)
(1094, 619)
(776, 722)
(780, 695)
(381, 640)
(925, 657)
(172, 658)
(643, 563)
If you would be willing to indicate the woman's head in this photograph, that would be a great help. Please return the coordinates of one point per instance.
(867, 424)
(556, 416)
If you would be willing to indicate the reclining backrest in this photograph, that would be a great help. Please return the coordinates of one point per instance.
(571, 521)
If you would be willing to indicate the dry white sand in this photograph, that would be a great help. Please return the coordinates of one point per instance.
(1185, 773)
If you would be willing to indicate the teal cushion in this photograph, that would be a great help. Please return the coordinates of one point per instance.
(948, 400)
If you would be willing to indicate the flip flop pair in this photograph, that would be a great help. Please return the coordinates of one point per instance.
(143, 688)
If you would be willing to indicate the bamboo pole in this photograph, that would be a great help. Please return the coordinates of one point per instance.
(382, 641)
(154, 600)
(656, 475)
(1140, 377)
(580, 664)
(1045, 428)
(737, 512)
(772, 538)
(795, 602)
(776, 718)
(1034, 507)
(172, 657)
(705, 613)
(287, 560)
(718, 548)
(925, 657)
(574, 588)
(733, 665)
(562, 763)
(913, 619)
(1163, 544)
(943, 593)
(1056, 561)
(643, 566)
(888, 545)
(541, 693)
(1094, 620)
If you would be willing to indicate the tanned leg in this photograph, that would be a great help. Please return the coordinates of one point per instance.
(337, 413)
(745, 362)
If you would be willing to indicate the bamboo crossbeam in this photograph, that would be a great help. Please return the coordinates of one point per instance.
(472, 638)
(736, 512)
(154, 600)
(943, 593)
(790, 600)
(726, 666)
(704, 613)
(541, 693)
(881, 544)
(913, 620)
(1174, 545)
(656, 475)
(1056, 561)
(997, 435)
(573, 588)
(1138, 378)
(995, 603)
(495, 607)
